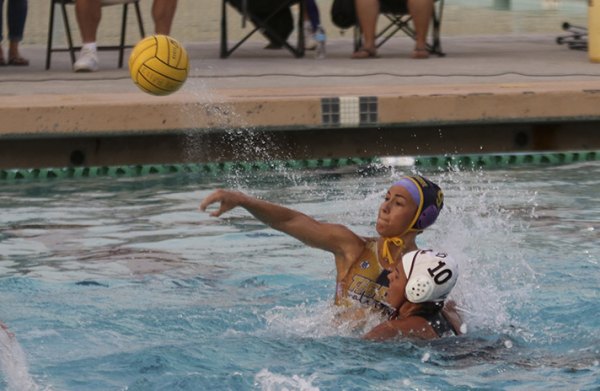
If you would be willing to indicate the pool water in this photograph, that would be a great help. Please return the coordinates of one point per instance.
(122, 284)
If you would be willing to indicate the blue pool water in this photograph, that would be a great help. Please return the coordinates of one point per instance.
(122, 284)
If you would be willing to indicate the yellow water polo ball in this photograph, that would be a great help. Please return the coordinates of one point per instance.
(159, 65)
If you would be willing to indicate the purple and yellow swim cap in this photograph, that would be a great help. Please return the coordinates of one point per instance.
(429, 199)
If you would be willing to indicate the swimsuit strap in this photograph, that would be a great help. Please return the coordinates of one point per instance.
(436, 319)
(387, 254)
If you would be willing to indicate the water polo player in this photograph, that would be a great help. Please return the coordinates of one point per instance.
(415, 297)
(362, 264)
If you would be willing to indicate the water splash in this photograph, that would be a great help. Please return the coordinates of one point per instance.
(314, 320)
(252, 145)
(207, 105)
(482, 231)
(318, 320)
(14, 364)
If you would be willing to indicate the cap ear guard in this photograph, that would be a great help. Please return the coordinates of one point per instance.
(419, 289)
(427, 217)
(431, 275)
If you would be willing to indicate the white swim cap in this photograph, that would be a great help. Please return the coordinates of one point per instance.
(431, 275)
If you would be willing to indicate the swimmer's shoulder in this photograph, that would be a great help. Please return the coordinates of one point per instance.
(452, 314)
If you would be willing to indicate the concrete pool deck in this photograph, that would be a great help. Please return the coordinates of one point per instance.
(547, 94)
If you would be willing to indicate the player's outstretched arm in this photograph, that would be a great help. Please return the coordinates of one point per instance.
(330, 237)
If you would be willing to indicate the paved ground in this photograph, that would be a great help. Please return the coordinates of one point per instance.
(469, 60)
(486, 78)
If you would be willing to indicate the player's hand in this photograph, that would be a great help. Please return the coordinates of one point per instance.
(227, 199)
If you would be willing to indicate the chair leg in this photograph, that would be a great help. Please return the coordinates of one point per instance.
(436, 31)
(402, 22)
(397, 23)
(50, 35)
(224, 52)
(261, 24)
(139, 19)
(357, 37)
(123, 33)
(71, 48)
(301, 38)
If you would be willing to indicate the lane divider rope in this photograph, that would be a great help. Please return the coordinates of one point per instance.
(440, 162)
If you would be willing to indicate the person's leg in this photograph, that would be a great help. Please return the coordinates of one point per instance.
(88, 14)
(312, 21)
(367, 12)
(163, 12)
(420, 11)
(17, 14)
(312, 13)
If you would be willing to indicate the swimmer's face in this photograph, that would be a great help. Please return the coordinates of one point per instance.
(396, 212)
(397, 284)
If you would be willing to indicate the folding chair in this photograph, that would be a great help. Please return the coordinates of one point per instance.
(262, 25)
(399, 19)
(71, 48)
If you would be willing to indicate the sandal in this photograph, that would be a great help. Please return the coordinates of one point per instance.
(18, 61)
(364, 53)
(420, 54)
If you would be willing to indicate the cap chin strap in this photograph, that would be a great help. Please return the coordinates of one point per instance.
(387, 254)
(397, 240)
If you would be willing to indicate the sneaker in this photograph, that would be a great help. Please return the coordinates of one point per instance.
(310, 43)
(87, 61)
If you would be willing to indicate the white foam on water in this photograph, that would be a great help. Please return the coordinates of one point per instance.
(313, 321)
(269, 381)
(478, 227)
(319, 320)
(14, 364)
